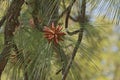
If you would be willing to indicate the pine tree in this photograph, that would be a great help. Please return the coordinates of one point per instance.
(38, 43)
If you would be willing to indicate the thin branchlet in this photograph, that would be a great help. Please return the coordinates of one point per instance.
(81, 22)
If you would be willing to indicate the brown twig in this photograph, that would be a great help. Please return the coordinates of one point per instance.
(83, 8)
(66, 25)
(67, 9)
(59, 71)
(66, 21)
(72, 33)
(73, 19)
(73, 54)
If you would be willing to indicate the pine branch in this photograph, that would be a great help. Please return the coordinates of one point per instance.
(66, 24)
(83, 8)
(67, 9)
(73, 54)
(66, 21)
(11, 23)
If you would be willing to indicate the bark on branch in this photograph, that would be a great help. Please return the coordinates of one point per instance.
(82, 14)
(12, 15)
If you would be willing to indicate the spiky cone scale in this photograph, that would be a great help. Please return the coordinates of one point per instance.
(53, 33)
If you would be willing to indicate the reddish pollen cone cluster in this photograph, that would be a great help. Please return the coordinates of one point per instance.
(53, 33)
